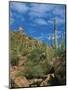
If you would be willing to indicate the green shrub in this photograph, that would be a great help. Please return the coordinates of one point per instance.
(37, 54)
(36, 66)
(58, 52)
(14, 61)
(34, 71)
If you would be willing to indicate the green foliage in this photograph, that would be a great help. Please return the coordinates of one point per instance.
(58, 52)
(14, 60)
(34, 55)
(38, 55)
(62, 42)
(33, 71)
(37, 64)
(37, 71)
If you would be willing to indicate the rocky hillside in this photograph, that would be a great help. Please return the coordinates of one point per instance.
(34, 63)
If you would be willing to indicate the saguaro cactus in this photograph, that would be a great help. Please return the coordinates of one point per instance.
(55, 36)
(51, 40)
(62, 42)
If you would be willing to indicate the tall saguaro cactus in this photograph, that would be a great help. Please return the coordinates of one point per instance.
(55, 36)
(51, 40)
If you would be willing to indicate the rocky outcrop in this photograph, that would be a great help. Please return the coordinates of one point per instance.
(22, 82)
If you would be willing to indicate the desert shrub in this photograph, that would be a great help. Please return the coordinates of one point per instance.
(37, 71)
(47, 68)
(25, 51)
(34, 71)
(50, 54)
(36, 66)
(36, 55)
(58, 52)
(20, 73)
(14, 60)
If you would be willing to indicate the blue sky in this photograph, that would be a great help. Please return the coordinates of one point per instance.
(38, 19)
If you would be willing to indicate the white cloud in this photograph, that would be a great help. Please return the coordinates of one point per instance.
(32, 32)
(20, 7)
(60, 11)
(58, 36)
(41, 7)
(59, 20)
(47, 36)
(51, 21)
(58, 32)
(42, 36)
(11, 14)
(11, 20)
(40, 21)
(40, 10)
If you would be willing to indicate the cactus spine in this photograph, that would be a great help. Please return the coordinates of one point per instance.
(55, 36)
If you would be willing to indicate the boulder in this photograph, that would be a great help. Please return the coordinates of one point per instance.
(21, 82)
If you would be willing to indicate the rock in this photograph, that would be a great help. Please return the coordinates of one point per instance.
(21, 82)
(35, 82)
(13, 72)
(46, 81)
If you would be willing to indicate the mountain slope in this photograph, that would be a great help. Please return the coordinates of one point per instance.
(34, 63)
